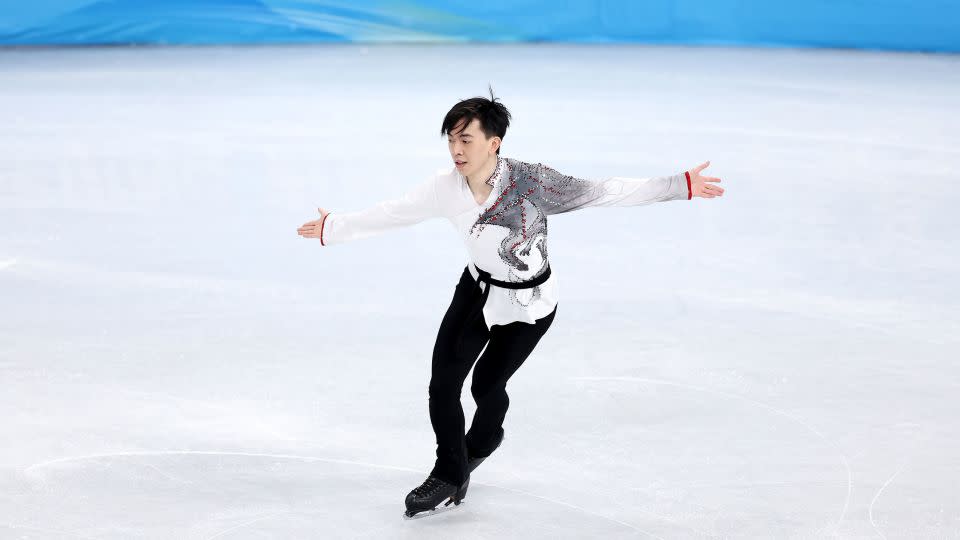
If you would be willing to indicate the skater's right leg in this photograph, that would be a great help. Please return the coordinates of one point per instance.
(460, 339)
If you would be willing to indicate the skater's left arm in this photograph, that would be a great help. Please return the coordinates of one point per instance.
(564, 193)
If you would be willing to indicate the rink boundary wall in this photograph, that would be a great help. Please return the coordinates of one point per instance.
(931, 25)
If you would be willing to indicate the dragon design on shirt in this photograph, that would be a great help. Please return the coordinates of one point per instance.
(529, 193)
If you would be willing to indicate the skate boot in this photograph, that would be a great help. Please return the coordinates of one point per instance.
(474, 462)
(423, 500)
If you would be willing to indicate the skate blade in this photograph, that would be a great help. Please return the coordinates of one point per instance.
(447, 506)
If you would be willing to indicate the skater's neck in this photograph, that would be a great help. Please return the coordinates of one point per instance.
(479, 179)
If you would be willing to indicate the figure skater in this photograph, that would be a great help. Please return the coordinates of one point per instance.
(506, 298)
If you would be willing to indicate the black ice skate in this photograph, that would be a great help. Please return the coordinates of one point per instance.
(474, 462)
(423, 500)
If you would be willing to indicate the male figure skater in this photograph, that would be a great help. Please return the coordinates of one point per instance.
(506, 298)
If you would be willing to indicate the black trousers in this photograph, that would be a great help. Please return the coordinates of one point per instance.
(462, 335)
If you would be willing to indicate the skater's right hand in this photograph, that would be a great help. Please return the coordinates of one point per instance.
(312, 229)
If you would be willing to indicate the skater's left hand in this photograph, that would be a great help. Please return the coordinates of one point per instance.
(699, 186)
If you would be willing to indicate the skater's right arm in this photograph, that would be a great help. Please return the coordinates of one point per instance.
(417, 205)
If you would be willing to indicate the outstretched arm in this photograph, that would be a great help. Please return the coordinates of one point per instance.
(415, 206)
(564, 193)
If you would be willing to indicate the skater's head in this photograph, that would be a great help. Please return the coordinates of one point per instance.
(475, 128)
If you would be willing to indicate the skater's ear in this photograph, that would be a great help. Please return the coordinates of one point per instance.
(494, 143)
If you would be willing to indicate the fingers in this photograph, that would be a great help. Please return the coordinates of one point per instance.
(710, 191)
(310, 229)
(702, 166)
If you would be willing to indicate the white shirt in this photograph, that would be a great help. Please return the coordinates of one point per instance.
(507, 234)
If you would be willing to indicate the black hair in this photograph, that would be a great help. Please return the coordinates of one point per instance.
(493, 116)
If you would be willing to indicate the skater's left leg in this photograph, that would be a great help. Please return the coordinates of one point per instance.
(506, 351)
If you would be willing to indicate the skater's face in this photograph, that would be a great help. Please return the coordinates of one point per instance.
(470, 148)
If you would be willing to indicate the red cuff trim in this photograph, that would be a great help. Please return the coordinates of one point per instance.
(322, 223)
(689, 191)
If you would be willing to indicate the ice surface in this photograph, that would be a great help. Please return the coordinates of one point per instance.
(176, 362)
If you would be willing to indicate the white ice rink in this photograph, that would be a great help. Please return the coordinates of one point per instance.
(177, 363)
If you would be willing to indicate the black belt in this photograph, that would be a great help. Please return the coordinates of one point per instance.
(485, 277)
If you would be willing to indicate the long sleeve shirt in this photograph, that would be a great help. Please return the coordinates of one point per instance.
(507, 234)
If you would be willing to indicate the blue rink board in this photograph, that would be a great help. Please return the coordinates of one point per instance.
(931, 25)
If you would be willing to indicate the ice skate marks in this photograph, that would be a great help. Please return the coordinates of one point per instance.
(290, 511)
